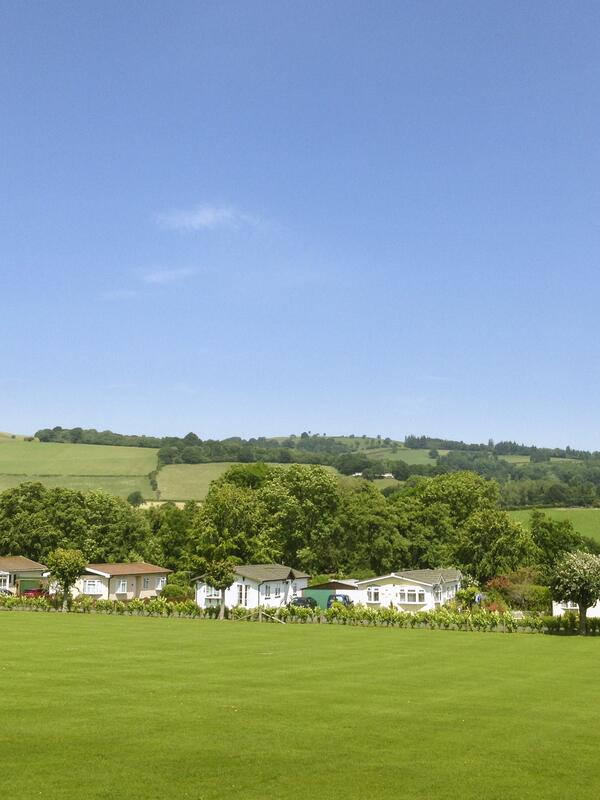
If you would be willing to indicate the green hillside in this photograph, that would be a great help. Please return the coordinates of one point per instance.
(121, 463)
(118, 470)
(192, 481)
(586, 521)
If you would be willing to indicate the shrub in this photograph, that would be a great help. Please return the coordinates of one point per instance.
(83, 603)
(177, 592)
(159, 607)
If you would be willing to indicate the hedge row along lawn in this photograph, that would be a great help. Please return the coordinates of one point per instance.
(475, 619)
(139, 708)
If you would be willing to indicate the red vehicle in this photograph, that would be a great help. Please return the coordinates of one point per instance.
(34, 593)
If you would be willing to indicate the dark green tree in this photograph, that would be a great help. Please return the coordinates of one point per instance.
(65, 567)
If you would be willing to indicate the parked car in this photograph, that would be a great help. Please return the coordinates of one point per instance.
(339, 598)
(34, 593)
(303, 602)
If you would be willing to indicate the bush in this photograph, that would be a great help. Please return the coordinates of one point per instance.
(135, 498)
(83, 603)
(446, 618)
(177, 592)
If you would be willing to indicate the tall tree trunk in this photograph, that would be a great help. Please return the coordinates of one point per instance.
(65, 602)
(582, 619)
(222, 609)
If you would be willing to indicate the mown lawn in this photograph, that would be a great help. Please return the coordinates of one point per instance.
(140, 708)
(586, 521)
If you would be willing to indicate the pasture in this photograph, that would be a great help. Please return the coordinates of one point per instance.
(586, 521)
(192, 481)
(139, 708)
(405, 454)
(53, 458)
(118, 470)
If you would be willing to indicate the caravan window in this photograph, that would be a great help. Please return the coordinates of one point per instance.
(373, 594)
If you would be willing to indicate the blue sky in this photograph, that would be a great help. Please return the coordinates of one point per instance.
(253, 218)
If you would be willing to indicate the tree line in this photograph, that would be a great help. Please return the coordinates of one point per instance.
(498, 448)
(553, 477)
(300, 516)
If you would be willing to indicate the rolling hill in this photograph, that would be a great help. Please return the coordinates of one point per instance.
(118, 470)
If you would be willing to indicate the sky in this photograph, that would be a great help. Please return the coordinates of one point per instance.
(259, 218)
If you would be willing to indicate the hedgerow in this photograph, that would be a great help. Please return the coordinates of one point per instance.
(441, 619)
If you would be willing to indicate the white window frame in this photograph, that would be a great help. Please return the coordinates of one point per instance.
(267, 591)
(145, 582)
(92, 586)
(161, 582)
(4, 581)
(373, 594)
(412, 592)
(569, 605)
(212, 593)
(122, 582)
(277, 590)
(402, 595)
(421, 596)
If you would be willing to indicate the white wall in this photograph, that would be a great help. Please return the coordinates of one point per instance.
(391, 589)
(558, 609)
(251, 594)
(108, 586)
(9, 579)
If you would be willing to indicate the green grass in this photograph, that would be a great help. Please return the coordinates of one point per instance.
(516, 459)
(384, 483)
(140, 708)
(586, 521)
(391, 452)
(118, 470)
(189, 481)
(405, 454)
(53, 458)
(117, 485)
(192, 481)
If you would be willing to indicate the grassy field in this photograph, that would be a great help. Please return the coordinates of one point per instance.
(122, 486)
(586, 521)
(140, 708)
(384, 483)
(191, 481)
(405, 454)
(52, 458)
(119, 470)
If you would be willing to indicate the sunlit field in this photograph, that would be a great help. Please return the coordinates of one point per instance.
(140, 708)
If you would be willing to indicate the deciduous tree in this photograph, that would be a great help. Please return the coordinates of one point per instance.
(65, 567)
(577, 579)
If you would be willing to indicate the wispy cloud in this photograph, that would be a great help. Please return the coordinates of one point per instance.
(120, 294)
(206, 217)
(161, 276)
